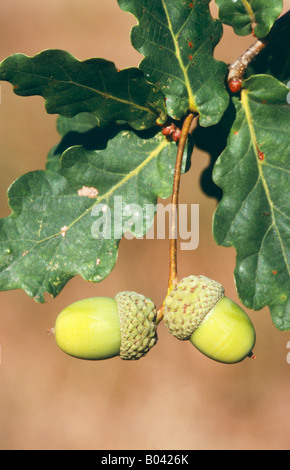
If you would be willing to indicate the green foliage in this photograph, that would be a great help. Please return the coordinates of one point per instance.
(275, 58)
(111, 145)
(177, 40)
(247, 16)
(255, 167)
(52, 233)
(70, 86)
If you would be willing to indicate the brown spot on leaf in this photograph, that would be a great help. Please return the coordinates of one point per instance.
(261, 155)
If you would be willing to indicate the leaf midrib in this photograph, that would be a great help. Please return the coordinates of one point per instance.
(249, 10)
(104, 95)
(191, 99)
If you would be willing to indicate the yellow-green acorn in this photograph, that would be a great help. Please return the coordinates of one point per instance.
(105, 327)
(197, 310)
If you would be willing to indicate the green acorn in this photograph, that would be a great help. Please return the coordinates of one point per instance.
(104, 327)
(197, 310)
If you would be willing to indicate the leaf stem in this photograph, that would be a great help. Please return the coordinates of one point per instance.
(173, 278)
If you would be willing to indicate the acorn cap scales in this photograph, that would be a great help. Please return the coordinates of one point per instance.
(137, 315)
(188, 303)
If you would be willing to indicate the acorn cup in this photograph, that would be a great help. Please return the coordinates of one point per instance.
(103, 327)
(197, 310)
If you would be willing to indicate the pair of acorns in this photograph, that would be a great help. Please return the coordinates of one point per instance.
(126, 326)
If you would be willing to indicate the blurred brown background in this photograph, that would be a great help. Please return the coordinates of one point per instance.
(174, 398)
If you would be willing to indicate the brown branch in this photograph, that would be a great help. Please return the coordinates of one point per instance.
(173, 279)
(239, 66)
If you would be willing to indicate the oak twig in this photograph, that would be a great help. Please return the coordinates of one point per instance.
(240, 65)
(238, 68)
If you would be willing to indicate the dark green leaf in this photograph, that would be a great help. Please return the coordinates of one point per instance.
(275, 58)
(53, 158)
(68, 223)
(246, 16)
(82, 122)
(253, 215)
(79, 130)
(177, 38)
(95, 86)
